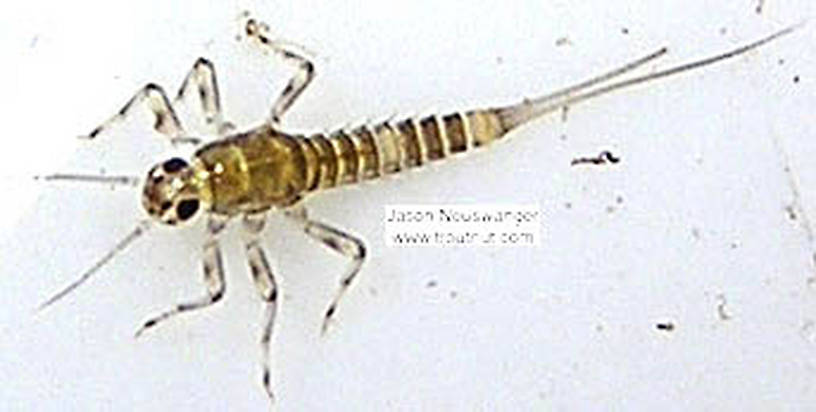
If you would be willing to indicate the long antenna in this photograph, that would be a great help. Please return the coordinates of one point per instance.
(138, 231)
(113, 180)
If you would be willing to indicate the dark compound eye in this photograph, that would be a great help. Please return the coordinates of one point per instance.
(186, 209)
(174, 165)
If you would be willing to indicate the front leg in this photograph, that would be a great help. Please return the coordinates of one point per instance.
(166, 123)
(202, 79)
(213, 269)
(305, 69)
(340, 242)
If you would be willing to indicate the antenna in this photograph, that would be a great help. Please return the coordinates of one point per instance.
(113, 180)
(138, 231)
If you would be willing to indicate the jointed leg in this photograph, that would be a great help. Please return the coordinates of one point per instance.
(339, 241)
(213, 277)
(202, 78)
(166, 122)
(267, 287)
(305, 69)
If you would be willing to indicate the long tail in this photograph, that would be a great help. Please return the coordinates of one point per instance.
(516, 115)
(373, 151)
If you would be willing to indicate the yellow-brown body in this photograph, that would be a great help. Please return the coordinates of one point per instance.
(252, 171)
(265, 168)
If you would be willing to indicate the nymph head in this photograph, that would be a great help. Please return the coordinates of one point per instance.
(171, 192)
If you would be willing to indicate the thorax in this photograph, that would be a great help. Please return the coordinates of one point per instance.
(252, 171)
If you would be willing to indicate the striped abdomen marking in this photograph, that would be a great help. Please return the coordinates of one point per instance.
(369, 152)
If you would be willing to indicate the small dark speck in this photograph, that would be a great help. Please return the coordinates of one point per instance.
(723, 31)
(453, 294)
(619, 199)
(791, 212)
(734, 245)
(665, 326)
(568, 205)
(781, 61)
(499, 60)
(722, 312)
(610, 209)
(811, 281)
(431, 284)
(372, 291)
(625, 30)
(796, 79)
(808, 331)
(695, 232)
(562, 41)
(602, 158)
(563, 138)
(599, 328)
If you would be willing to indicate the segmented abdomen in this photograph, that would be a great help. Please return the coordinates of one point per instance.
(368, 152)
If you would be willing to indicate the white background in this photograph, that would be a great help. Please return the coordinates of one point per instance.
(704, 223)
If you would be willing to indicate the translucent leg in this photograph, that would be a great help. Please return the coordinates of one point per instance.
(166, 122)
(339, 241)
(213, 268)
(267, 287)
(202, 79)
(305, 69)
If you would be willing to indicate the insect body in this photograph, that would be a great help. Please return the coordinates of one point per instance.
(265, 168)
(249, 174)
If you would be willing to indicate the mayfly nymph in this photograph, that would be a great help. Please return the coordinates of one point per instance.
(248, 174)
